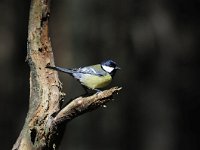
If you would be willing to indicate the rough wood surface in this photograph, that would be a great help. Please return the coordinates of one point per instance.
(45, 86)
(81, 105)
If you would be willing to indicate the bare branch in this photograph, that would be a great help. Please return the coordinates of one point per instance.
(81, 105)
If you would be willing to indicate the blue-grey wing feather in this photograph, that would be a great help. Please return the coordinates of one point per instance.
(88, 70)
(91, 70)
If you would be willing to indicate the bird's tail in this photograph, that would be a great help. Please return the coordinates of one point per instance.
(65, 70)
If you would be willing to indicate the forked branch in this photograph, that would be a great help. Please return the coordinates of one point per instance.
(40, 127)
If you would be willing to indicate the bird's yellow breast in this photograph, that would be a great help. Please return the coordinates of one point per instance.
(95, 82)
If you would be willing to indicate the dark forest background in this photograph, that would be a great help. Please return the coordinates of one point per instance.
(156, 43)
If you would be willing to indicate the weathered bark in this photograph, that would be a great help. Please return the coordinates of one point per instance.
(44, 114)
(84, 104)
(45, 88)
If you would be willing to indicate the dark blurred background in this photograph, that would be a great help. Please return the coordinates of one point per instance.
(154, 42)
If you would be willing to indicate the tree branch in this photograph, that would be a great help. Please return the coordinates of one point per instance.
(82, 105)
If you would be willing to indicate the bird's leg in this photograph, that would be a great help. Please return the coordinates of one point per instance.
(86, 90)
(97, 91)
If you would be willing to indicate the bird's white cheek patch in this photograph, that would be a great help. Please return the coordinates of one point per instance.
(107, 68)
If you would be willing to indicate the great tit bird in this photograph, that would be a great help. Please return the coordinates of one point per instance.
(92, 77)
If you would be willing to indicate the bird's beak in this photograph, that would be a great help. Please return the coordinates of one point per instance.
(118, 68)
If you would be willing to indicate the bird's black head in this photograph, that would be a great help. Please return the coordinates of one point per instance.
(110, 66)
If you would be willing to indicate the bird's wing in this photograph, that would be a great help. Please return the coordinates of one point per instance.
(94, 70)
